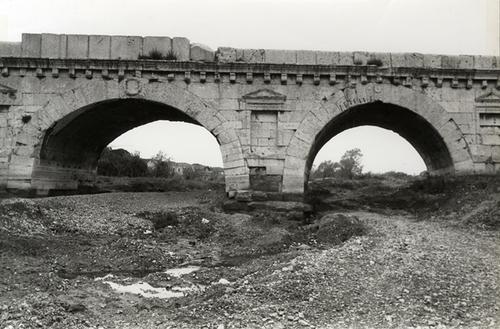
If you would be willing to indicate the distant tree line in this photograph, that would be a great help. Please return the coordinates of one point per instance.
(122, 163)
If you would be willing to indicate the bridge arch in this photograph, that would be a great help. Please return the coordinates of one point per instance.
(411, 114)
(72, 129)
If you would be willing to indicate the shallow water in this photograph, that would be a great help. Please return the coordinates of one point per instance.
(146, 290)
(178, 272)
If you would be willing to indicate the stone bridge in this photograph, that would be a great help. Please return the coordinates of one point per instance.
(63, 98)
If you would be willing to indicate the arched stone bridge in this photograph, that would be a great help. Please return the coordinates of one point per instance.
(63, 98)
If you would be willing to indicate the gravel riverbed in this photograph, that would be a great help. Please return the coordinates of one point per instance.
(103, 261)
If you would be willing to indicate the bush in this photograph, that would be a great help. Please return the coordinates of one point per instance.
(155, 54)
(121, 163)
(375, 61)
(160, 219)
(337, 228)
(171, 56)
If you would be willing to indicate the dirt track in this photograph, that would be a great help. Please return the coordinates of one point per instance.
(254, 272)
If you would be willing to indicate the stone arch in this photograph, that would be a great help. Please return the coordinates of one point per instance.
(70, 116)
(413, 115)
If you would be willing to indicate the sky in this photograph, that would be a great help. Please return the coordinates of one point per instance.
(425, 26)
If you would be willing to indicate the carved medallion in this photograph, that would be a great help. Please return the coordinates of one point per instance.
(132, 87)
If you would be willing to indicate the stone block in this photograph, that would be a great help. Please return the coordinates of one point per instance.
(51, 45)
(99, 46)
(407, 60)
(491, 139)
(450, 62)
(181, 48)
(284, 137)
(78, 46)
(344, 58)
(275, 168)
(325, 57)
(484, 62)
(465, 62)
(201, 53)
(293, 182)
(495, 153)
(31, 45)
(432, 61)
(10, 49)
(162, 44)
(253, 55)
(307, 57)
(234, 164)
(126, 47)
(280, 56)
(226, 55)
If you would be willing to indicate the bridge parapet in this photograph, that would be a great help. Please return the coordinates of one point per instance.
(62, 46)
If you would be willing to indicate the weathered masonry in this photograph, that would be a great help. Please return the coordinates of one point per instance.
(63, 98)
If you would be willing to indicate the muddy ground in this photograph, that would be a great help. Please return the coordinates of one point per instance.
(378, 253)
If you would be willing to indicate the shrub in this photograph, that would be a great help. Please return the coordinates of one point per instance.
(121, 163)
(160, 219)
(337, 228)
(171, 56)
(157, 55)
(358, 62)
(375, 61)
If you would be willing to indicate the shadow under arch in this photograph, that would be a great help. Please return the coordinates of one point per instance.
(71, 147)
(411, 126)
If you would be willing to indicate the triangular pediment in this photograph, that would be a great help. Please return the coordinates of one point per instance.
(489, 97)
(264, 94)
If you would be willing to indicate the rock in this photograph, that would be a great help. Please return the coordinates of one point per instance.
(303, 322)
(223, 281)
(202, 53)
(74, 308)
(245, 196)
(205, 221)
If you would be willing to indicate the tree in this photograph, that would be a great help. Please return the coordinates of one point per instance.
(120, 163)
(350, 163)
(326, 169)
(162, 165)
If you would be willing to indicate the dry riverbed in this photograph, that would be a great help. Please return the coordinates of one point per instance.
(175, 260)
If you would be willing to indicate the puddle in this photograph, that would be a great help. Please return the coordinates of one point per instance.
(178, 272)
(98, 274)
(146, 290)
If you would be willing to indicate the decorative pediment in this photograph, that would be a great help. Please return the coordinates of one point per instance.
(264, 94)
(489, 97)
(488, 102)
(263, 100)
